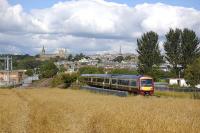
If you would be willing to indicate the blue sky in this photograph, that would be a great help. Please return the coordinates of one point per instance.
(32, 4)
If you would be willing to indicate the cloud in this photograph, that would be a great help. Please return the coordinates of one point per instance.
(89, 26)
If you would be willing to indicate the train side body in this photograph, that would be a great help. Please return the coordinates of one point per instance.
(132, 83)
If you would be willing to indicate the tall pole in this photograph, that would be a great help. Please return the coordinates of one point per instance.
(11, 64)
(8, 69)
(5, 63)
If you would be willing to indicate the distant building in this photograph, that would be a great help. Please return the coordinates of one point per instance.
(178, 81)
(181, 82)
(13, 77)
(68, 65)
(62, 53)
(110, 57)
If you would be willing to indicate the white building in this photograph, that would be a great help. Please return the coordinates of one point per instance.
(178, 81)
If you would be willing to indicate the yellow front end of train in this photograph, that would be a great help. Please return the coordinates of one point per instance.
(146, 86)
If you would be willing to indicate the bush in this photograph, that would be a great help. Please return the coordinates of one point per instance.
(29, 72)
(48, 69)
(158, 74)
(192, 73)
(91, 70)
(64, 79)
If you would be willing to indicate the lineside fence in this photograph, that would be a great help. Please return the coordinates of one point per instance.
(165, 87)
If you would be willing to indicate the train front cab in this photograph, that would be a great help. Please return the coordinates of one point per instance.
(146, 86)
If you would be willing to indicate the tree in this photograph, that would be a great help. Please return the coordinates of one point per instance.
(91, 70)
(62, 68)
(173, 49)
(70, 57)
(48, 69)
(149, 53)
(63, 78)
(27, 63)
(128, 58)
(119, 59)
(190, 49)
(192, 73)
(99, 60)
(29, 72)
(79, 57)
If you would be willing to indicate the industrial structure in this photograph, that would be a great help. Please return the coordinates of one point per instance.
(8, 76)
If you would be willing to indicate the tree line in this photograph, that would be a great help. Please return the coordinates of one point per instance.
(181, 50)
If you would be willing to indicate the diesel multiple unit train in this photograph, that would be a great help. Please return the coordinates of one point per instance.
(137, 84)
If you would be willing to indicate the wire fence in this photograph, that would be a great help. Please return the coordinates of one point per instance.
(165, 87)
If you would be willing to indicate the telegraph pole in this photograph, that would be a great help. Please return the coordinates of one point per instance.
(7, 67)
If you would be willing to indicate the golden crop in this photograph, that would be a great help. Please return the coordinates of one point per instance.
(76, 111)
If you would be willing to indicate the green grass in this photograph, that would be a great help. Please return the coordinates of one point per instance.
(176, 94)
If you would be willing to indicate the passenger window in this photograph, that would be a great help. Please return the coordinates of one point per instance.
(106, 80)
(123, 82)
(114, 81)
(133, 83)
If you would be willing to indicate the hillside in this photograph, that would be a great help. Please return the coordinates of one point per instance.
(76, 111)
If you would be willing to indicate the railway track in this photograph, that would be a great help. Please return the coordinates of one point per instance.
(106, 91)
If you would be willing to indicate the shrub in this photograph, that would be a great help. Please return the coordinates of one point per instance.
(48, 69)
(192, 73)
(91, 70)
(64, 79)
(29, 72)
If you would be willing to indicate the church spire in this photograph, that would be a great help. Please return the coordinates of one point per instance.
(120, 50)
(43, 50)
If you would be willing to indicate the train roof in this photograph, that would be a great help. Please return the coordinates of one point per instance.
(96, 75)
(127, 76)
(120, 76)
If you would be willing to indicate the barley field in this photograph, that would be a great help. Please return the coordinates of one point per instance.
(78, 111)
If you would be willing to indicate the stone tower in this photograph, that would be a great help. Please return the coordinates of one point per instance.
(43, 51)
(120, 50)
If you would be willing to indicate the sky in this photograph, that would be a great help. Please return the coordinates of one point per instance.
(39, 4)
(90, 26)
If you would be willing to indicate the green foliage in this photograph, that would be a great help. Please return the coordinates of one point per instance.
(173, 49)
(70, 57)
(190, 49)
(29, 72)
(182, 48)
(128, 58)
(91, 70)
(123, 71)
(99, 60)
(66, 79)
(48, 69)
(22, 62)
(149, 53)
(158, 74)
(192, 73)
(172, 94)
(78, 57)
(119, 59)
(27, 63)
(62, 68)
